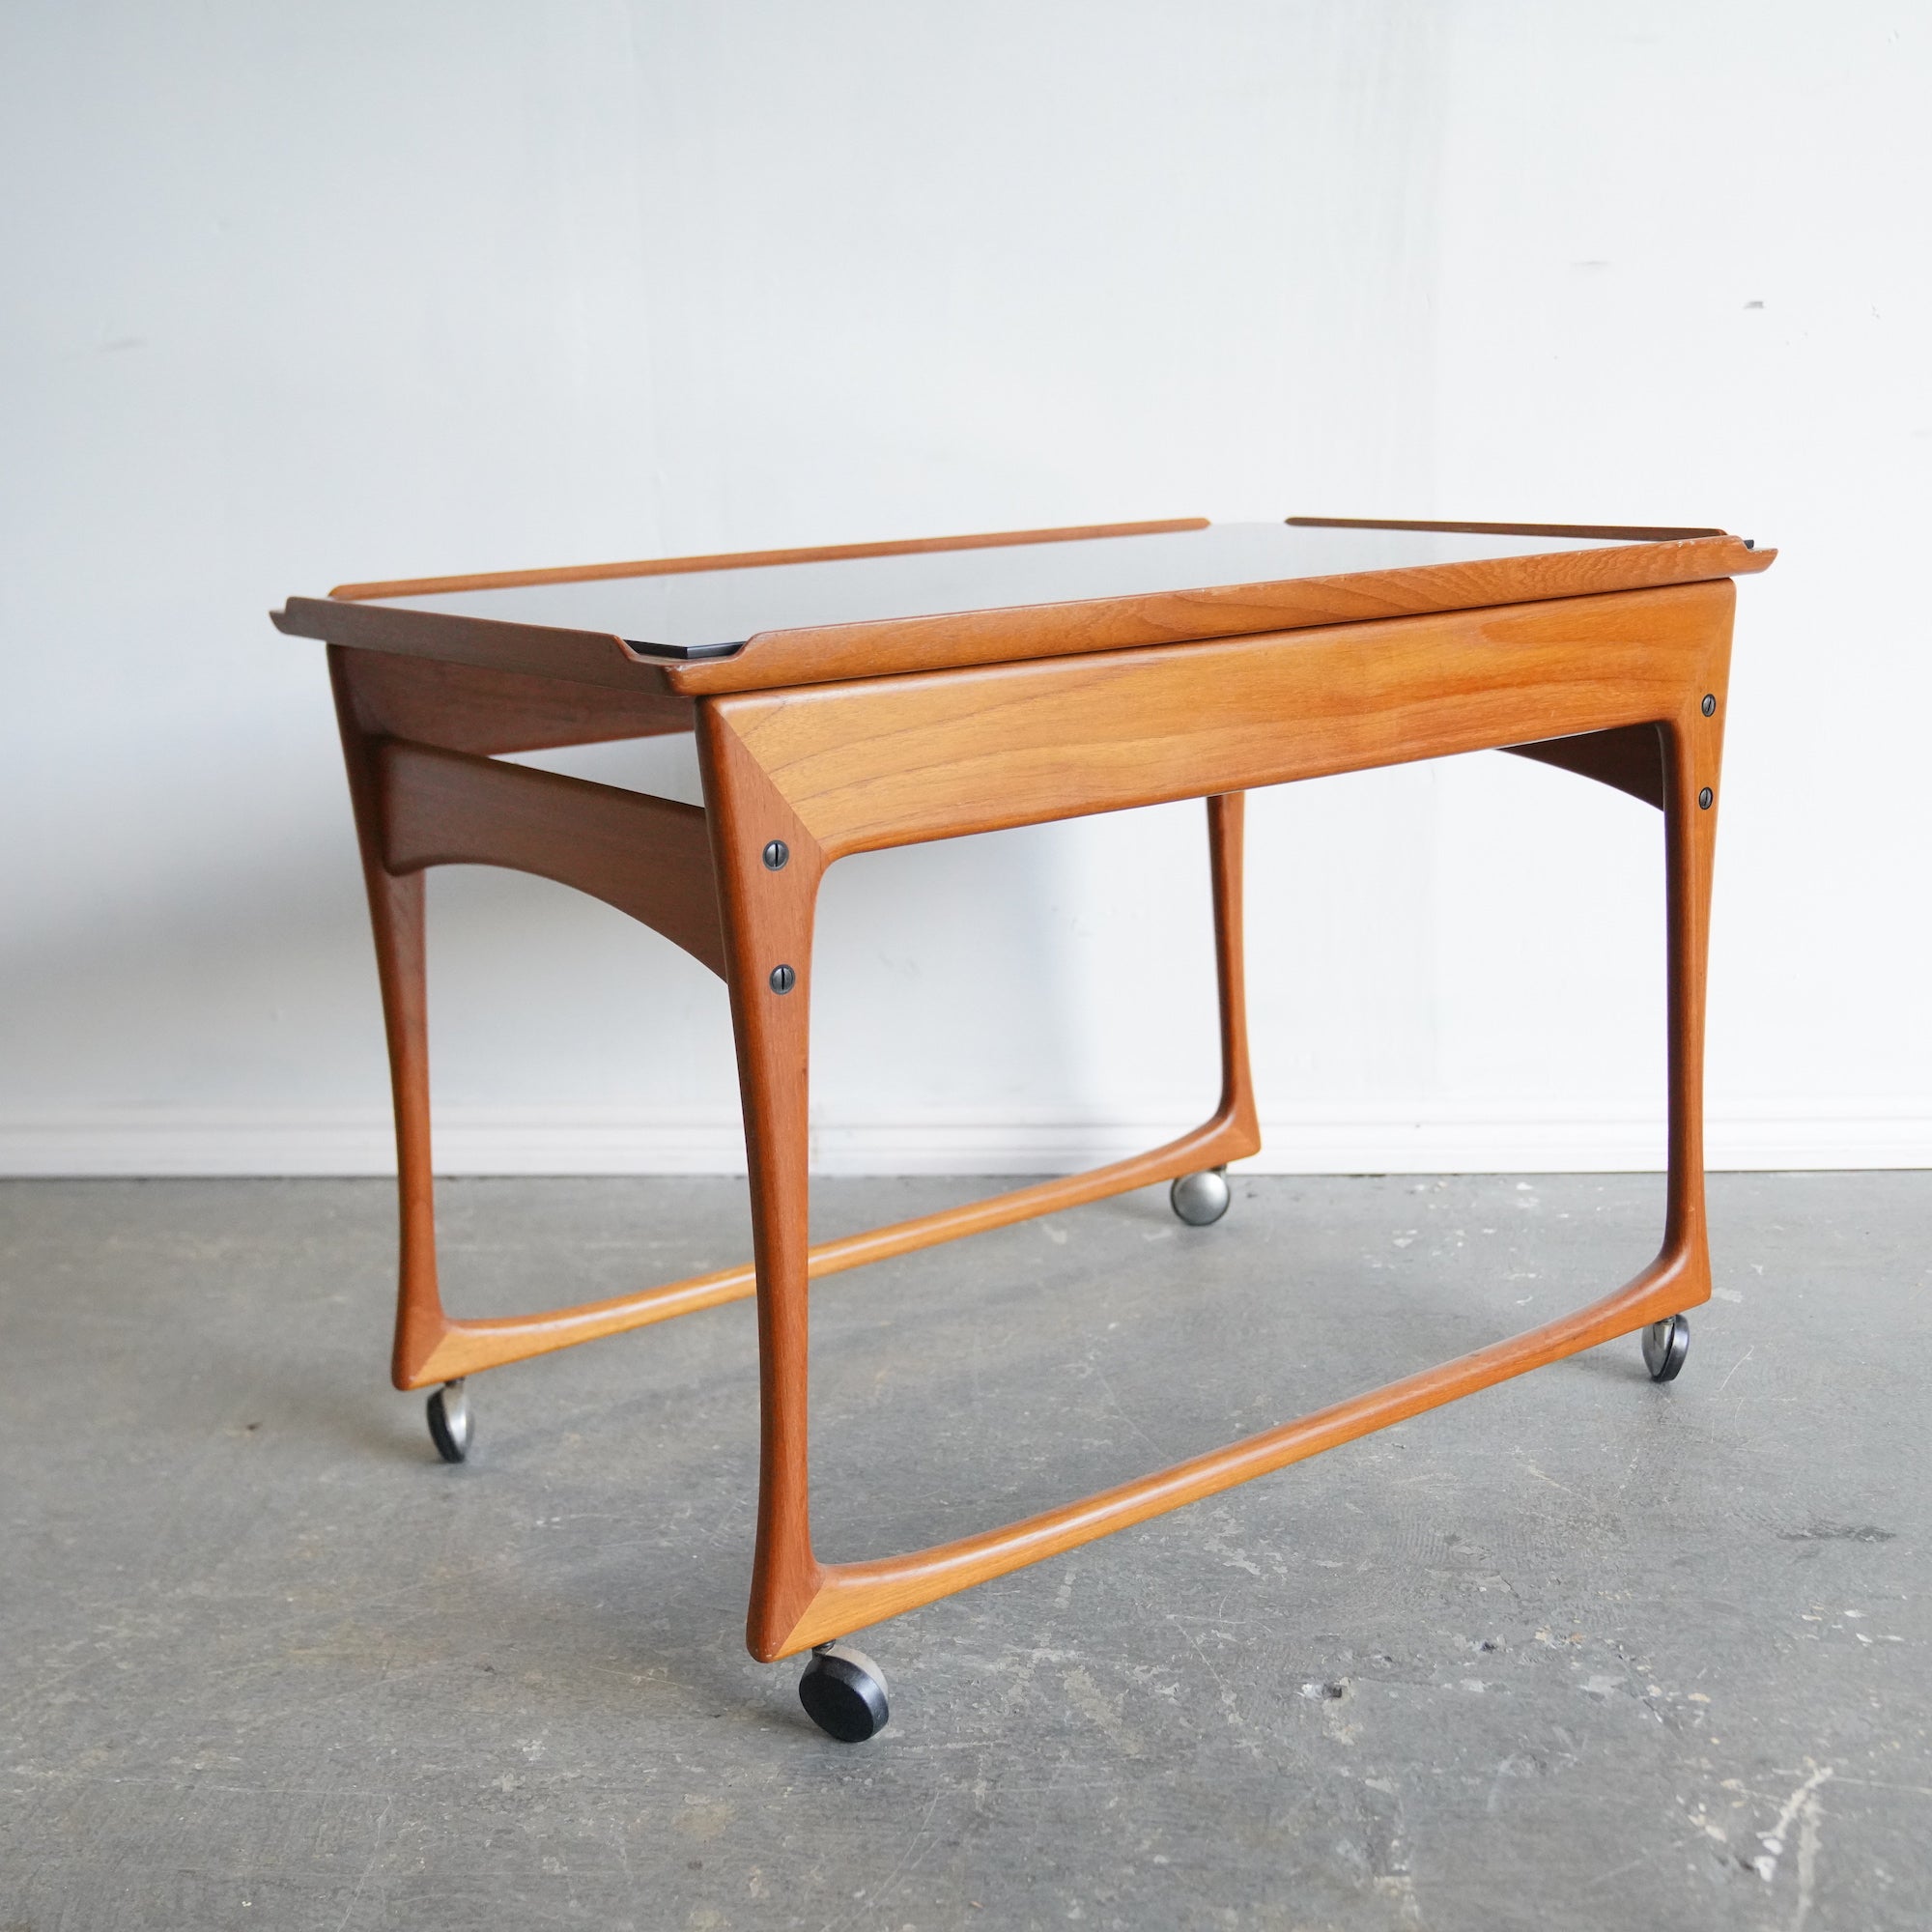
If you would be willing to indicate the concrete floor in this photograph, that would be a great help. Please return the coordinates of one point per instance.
(1579, 1651)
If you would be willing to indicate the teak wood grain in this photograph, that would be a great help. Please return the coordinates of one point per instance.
(1612, 684)
(900, 760)
(464, 707)
(827, 652)
(649, 857)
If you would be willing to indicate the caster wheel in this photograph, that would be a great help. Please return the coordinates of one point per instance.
(449, 1425)
(843, 1694)
(1201, 1198)
(1665, 1344)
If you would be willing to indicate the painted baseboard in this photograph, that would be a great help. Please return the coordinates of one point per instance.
(1435, 1138)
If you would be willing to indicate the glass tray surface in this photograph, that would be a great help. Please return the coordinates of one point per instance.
(701, 612)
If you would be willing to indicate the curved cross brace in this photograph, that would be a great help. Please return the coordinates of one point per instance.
(1627, 759)
(649, 857)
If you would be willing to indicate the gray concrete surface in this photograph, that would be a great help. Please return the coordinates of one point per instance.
(1577, 1652)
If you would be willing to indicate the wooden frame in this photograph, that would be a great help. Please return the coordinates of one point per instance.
(1626, 685)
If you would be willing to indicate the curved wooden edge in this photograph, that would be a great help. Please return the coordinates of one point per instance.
(849, 1596)
(599, 658)
(754, 559)
(463, 1347)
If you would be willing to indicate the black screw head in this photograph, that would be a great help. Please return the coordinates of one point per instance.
(1704, 799)
(776, 855)
(1710, 704)
(783, 978)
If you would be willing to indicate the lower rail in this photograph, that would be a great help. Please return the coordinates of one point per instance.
(849, 1596)
(463, 1348)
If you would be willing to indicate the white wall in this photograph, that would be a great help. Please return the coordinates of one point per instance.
(295, 296)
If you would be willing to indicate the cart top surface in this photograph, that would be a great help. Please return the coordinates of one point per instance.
(707, 612)
(703, 625)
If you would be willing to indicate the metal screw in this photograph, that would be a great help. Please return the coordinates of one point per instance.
(776, 855)
(783, 978)
(1710, 704)
(1704, 799)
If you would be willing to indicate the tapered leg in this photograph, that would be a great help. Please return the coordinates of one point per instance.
(768, 873)
(1226, 826)
(1202, 1197)
(1692, 747)
(396, 919)
(396, 912)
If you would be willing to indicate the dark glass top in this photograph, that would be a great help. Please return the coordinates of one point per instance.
(700, 613)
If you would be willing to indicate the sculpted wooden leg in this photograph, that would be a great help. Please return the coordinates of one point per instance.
(1235, 1115)
(768, 873)
(396, 919)
(1674, 764)
(1692, 745)
(396, 913)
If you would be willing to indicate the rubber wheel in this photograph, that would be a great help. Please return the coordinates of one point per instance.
(449, 1425)
(1665, 1344)
(843, 1694)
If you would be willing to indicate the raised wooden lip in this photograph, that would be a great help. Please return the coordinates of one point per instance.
(754, 559)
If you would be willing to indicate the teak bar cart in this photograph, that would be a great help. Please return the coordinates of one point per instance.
(882, 694)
